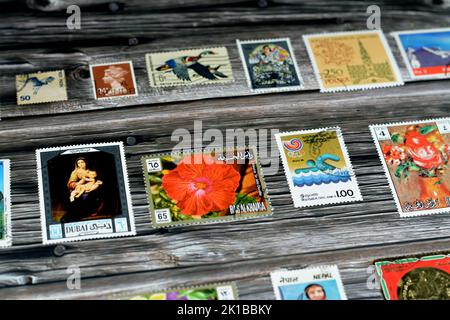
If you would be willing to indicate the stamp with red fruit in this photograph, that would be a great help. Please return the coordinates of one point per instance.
(415, 159)
(205, 186)
(113, 80)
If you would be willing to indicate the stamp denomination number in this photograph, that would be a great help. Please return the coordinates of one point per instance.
(163, 216)
(444, 126)
(382, 133)
(154, 165)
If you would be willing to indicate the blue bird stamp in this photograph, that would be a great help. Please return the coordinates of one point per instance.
(317, 167)
(189, 67)
(41, 87)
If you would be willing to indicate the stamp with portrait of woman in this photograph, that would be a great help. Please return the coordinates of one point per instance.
(84, 193)
(318, 283)
(113, 80)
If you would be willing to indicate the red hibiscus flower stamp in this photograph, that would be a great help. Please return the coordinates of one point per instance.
(425, 278)
(205, 186)
(415, 157)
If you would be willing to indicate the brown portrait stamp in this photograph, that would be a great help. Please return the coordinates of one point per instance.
(111, 80)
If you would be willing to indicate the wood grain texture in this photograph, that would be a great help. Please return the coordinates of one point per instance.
(33, 37)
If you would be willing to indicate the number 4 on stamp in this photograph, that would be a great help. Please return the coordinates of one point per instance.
(414, 157)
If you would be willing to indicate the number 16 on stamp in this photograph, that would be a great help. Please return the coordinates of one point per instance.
(154, 165)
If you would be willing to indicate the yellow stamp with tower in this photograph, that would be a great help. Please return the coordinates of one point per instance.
(354, 60)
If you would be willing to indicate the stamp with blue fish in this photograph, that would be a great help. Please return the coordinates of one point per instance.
(317, 167)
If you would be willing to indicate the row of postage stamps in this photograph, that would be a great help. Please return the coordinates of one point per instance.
(424, 277)
(84, 191)
(341, 61)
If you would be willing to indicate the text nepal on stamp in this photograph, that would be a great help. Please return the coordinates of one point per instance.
(318, 283)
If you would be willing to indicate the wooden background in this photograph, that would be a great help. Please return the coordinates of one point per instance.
(33, 37)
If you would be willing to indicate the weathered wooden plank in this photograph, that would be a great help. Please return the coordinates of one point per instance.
(252, 276)
(117, 6)
(351, 235)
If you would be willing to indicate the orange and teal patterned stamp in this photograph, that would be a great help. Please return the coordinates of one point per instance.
(317, 167)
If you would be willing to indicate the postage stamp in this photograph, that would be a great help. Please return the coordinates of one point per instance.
(205, 186)
(426, 52)
(415, 159)
(222, 291)
(84, 193)
(270, 65)
(353, 60)
(41, 87)
(425, 278)
(5, 204)
(113, 80)
(188, 67)
(318, 283)
(317, 167)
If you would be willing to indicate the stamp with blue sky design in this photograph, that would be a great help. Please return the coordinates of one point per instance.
(84, 193)
(426, 52)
